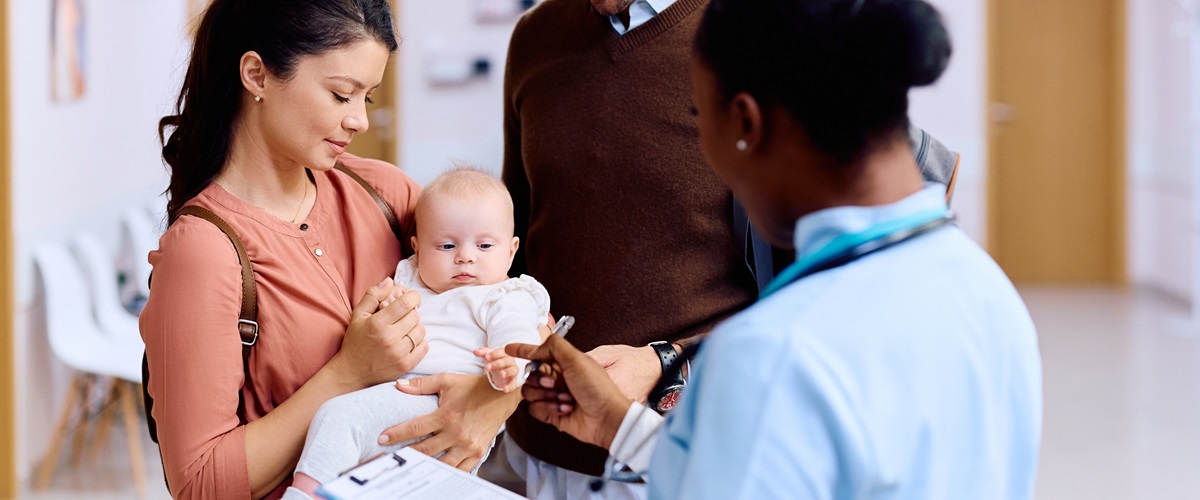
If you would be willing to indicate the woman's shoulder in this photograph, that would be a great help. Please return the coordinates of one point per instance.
(390, 181)
(194, 248)
(196, 254)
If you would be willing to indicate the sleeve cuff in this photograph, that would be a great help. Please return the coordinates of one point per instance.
(636, 438)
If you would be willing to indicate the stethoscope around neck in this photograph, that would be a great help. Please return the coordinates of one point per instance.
(909, 229)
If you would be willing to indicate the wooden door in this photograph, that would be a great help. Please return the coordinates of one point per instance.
(379, 142)
(8, 389)
(1057, 139)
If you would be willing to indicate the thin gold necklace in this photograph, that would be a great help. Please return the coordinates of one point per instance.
(299, 208)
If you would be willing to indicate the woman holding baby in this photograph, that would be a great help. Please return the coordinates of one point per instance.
(274, 92)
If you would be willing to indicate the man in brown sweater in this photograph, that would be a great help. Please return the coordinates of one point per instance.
(621, 218)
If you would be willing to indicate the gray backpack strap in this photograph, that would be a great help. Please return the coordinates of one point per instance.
(937, 162)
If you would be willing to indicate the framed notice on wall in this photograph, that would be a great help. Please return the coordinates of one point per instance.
(68, 68)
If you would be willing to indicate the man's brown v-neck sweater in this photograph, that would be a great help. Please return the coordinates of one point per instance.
(619, 216)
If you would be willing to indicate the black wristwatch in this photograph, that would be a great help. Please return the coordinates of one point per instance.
(665, 394)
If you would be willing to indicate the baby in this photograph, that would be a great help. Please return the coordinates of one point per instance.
(469, 306)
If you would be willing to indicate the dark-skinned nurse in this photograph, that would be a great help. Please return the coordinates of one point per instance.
(894, 359)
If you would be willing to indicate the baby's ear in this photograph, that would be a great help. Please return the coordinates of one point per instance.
(512, 251)
(416, 249)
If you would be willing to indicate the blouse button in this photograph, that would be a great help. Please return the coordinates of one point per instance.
(319, 252)
(304, 227)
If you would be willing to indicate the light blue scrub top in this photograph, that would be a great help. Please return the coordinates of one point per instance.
(912, 373)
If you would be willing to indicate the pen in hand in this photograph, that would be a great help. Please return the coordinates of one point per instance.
(564, 324)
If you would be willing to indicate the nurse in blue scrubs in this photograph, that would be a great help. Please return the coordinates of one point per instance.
(894, 359)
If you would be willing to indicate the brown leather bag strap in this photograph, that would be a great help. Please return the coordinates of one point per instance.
(387, 210)
(248, 318)
(248, 322)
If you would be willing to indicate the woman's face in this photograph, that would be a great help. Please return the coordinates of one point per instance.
(310, 119)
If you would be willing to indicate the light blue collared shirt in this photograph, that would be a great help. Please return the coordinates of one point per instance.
(912, 373)
(640, 12)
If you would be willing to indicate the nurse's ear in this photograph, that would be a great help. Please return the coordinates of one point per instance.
(747, 116)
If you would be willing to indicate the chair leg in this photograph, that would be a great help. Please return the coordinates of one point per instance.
(133, 433)
(50, 461)
(108, 409)
(81, 431)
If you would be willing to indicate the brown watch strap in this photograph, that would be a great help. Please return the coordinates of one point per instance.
(383, 206)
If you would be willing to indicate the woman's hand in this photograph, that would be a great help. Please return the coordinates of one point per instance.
(572, 392)
(385, 338)
(468, 417)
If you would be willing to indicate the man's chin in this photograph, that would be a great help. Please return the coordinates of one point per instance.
(610, 7)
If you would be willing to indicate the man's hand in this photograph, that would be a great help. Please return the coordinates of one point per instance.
(633, 369)
(572, 392)
(468, 417)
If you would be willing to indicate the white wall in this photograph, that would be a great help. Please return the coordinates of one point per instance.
(78, 165)
(954, 109)
(442, 123)
(1159, 179)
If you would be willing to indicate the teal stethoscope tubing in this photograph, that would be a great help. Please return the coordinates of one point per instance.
(848, 248)
(840, 251)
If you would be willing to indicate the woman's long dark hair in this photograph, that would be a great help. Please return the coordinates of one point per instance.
(842, 68)
(196, 139)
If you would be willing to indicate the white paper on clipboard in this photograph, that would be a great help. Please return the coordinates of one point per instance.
(410, 474)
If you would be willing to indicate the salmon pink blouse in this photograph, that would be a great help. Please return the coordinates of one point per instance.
(309, 275)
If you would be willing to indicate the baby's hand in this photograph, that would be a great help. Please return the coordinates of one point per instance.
(502, 370)
(393, 295)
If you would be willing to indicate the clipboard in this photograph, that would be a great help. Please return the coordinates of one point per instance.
(410, 474)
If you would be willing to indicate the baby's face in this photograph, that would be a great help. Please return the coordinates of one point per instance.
(464, 242)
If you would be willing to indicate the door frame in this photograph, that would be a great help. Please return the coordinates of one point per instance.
(1118, 273)
(8, 393)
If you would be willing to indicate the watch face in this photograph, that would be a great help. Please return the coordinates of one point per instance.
(669, 400)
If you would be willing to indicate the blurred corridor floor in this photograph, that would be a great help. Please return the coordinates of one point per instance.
(1122, 405)
(107, 477)
(1122, 395)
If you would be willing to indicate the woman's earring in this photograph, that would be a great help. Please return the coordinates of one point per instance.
(741, 145)
(257, 99)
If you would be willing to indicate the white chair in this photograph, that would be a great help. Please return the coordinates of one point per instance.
(101, 275)
(139, 236)
(77, 340)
